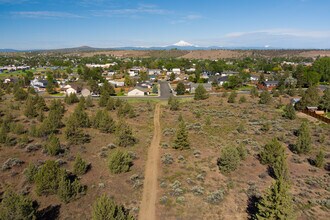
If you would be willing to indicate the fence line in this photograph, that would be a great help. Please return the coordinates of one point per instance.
(313, 114)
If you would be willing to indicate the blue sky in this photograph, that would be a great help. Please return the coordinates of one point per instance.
(45, 24)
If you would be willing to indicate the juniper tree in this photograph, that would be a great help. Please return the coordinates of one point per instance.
(89, 102)
(124, 135)
(200, 93)
(40, 103)
(105, 208)
(265, 98)
(180, 89)
(304, 141)
(325, 100)
(320, 159)
(310, 98)
(276, 203)
(173, 103)
(80, 166)
(181, 141)
(232, 97)
(30, 108)
(228, 160)
(15, 206)
(53, 146)
(110, 104)
(48, 177)
(73, 132)
(119, 162)
(104, 122)
(81, 117)
(289, 112)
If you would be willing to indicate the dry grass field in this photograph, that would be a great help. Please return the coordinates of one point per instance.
(122, 187)
(190, 180)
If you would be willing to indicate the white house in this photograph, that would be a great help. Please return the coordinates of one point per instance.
(176, 70)
(137, 91)
(117, 83)
(191, 70)
(154, 72)
(71, 91)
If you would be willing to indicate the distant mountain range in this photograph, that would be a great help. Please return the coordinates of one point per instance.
(181, 45)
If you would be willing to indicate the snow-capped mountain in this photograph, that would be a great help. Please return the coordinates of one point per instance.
(182, 43)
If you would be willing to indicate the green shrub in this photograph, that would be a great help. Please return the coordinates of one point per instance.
(232, 97)
(289, 112)
(304, 142)
(104, 122)
(119, 162)
(242, 99)
(320, 159)
(105, 209)
(265, 98)
(53, 146)
(30, 172)
(16, 207)
(229, 159)
(71, 98)
(80, 166)
(200, 93)
(124, 134)
(181, 141)
(48, 177)
(173, 103)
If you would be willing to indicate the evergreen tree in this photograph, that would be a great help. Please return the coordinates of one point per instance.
(80, 166)
(319, 160)
(180, 89)
(232, 97)
(104, 99)
(14, 206)
(304, 141)
(173, 103)
(104, 122)
(254, 92)
(325, 100)
(229, 159)
(20, 94)
(277, 203)
(119, 162)
(48, 177)
(265, 98)
(89, 102)
(30, 108)
(64, 190)
(310, 98)
(40, 103)
(53, 146)
(81, 117)
(105, 209)
(73, 132)
(200, 93)
(181, 141)
(124, 135)
(110, 104)
(289, 112)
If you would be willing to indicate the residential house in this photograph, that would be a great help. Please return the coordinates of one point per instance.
(39, 84)
(190, 70)
(117, 83)
(176, 71)
(270, 84)
(135, 71)
(154, 72)
(254, 78)
(223, 79)
(229, 73)
(193, 86)
(71, 91)
(138, 91)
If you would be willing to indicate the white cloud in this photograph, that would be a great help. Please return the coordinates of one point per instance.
(283, 32)
(44, 14)
(140, 10)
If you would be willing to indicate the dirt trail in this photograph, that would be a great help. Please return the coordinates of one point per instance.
(149, 197)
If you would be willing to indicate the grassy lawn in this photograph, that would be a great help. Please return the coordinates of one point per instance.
(244, 88)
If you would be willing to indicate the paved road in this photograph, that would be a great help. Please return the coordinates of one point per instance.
(164, 90)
